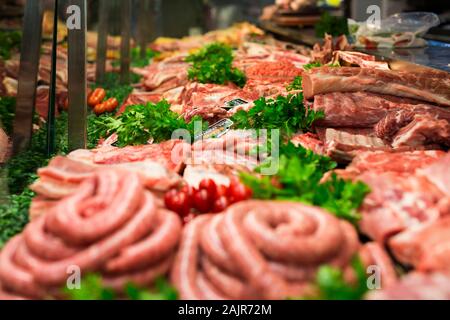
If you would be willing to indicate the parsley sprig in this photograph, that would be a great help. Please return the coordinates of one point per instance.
(214, 64)
(299, 178)
(285, 113)
(92, 288)
(332, 285)
(9, 40)
(141, 123)
(296, 84)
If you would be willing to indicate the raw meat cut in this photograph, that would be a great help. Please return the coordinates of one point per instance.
(309, 141)
(431, 86)
(423, 130)
(324, 53)
(343, 145)
(63, 175)
(209, 100)
(399, 162)
(359, 59)
(372, 254)
(5, 146)
(140, 98)
(171, 154)
(168, 74)
(416, 286)
(438, 173)
(426, 247)
(396, 203)
(364, 109)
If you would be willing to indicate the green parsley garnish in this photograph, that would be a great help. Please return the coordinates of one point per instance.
(214, 64)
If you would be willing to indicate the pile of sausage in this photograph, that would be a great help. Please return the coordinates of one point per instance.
(260, 250)
(111, 225)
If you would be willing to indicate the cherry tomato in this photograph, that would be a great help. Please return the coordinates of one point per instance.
(96, 97)
(178, 202)
(210, 186)
(188, 190)
(202, 201)
(239, 192)
(100, 108)
(220, 204)
(111, 104)
(221, 191)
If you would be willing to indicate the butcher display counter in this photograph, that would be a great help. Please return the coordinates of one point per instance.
(223, 166)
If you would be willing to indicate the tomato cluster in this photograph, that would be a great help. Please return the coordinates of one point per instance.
(96, 102)
(208, 197)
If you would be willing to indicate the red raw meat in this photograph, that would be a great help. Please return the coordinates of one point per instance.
(364, 109)
(431, 86)
(168, 74)
(423, 130)
(373, 254)
(427, 247)
(140, 98)
(208, 100)
(416, 286)
(353, 58)
(400, 162)
(309, 141)
(396, 203)
(171, 154)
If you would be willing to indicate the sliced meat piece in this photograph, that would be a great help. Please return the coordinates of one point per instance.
(438, 173)
(416, 286)
(431, 86)
(423, 130)
(309, 141)
(425, 248)
(359, 59)
(343, 145)
(171, 154)
(140, 98)
(5, 146)
(365, 109)
(374, 255)
(209, 100)
(168, 74)
(400, 162)
(396, 203)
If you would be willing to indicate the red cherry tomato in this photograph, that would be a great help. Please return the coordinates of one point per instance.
(210, 186)
(202, 201)
(220, 204)
(178, 202)
(239, 192)
(188, 190)
(222, 191)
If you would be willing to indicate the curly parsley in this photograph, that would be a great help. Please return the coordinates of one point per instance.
(285, 113)
(299, 178)
(214, 64)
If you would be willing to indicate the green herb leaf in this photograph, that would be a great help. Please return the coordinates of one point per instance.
(92, 288)
(285, 113)
(140, 123)
(332, 285)
(9, 40)
(295, 85)
(214, 64)
(299, 178)
(332, 25)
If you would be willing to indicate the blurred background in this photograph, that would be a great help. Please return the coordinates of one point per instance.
(177, 18)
